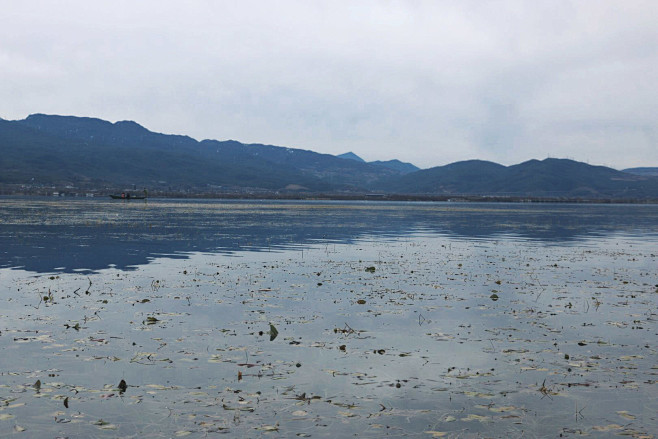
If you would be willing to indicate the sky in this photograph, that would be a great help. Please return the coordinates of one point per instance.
(426, 82)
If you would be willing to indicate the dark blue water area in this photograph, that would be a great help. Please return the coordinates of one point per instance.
(72, 235)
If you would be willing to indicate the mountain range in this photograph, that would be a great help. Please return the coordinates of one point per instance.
(87, 154)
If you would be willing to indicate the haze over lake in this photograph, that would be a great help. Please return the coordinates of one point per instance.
(327, 319)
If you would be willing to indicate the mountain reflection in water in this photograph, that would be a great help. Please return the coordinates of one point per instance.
(44, 235)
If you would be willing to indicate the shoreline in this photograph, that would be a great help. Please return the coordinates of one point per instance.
(457, 198)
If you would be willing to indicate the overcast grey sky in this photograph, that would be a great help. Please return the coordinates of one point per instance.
(429, 82)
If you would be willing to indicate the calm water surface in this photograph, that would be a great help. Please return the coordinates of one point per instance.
(327, 319)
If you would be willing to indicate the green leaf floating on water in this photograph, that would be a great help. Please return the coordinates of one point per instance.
(273, 332)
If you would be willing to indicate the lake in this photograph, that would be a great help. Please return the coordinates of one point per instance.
(193, 318)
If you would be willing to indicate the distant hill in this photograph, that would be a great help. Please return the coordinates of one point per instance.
(648, 172)
(555, 178)
(351, 156)
(76, 150)
(396, 165)
(82, 153)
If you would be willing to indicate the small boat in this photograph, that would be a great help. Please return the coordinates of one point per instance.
(128, 196)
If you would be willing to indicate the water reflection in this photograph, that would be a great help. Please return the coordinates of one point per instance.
(43, 235)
